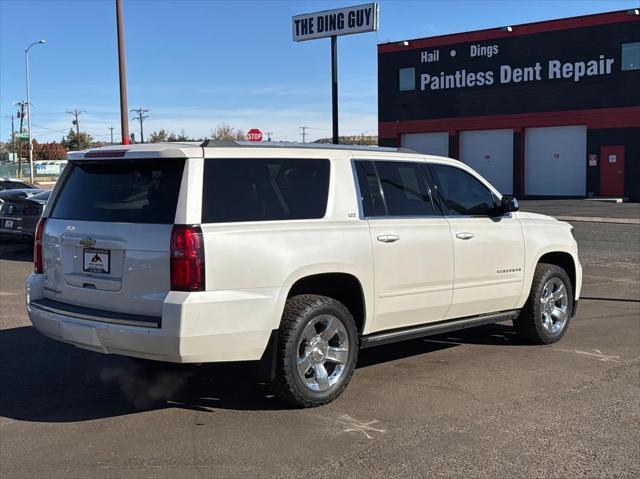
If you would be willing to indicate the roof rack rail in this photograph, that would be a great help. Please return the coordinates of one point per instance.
(210, 143)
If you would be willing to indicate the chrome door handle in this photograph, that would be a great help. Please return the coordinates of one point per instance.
(388, 238)
(464, 235)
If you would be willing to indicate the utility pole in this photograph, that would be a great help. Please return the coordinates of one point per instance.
(111, 129)
(269, 133)
(76, 113)
(21, 114)
(141, 117)
(304, 133)
(124, 113)
(13, 139)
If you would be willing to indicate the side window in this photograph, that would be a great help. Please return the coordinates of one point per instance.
(256, 189)
(462, 193)
(404, 188)
(370, 196)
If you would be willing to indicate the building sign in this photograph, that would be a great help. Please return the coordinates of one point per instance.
(505, 74)
(341, 21)
(570, 69)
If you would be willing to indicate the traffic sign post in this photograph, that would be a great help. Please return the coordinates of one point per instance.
(332, 23)
(254, 135)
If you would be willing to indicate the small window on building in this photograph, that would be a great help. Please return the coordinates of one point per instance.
(407, 78)
(631, 56)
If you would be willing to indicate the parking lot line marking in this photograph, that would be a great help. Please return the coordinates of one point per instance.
(352, 424)
(597, 354)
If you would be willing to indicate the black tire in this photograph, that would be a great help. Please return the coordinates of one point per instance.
(530, 323)
(298, 313)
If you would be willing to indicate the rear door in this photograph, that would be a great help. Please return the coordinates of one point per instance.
(106, 239)
(412, 247)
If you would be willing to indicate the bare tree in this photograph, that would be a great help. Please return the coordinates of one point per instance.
(225, 132)
(158, 136)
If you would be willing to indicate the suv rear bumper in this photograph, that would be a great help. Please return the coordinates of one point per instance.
(211, 326)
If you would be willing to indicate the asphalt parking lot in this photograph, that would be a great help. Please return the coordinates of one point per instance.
(475, 403)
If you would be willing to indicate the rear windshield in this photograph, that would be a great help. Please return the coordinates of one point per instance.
(248, 189)
(138, 191)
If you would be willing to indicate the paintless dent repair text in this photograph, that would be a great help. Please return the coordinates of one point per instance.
(555, 70)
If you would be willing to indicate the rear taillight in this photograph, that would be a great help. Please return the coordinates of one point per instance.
(37, 247)
(187, 258)
(32, 210)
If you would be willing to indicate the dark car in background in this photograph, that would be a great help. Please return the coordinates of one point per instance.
(20, 210)
(12, 184)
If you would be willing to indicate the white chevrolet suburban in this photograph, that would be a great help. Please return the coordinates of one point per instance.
(296, 255)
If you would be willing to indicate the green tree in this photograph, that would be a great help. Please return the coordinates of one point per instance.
(75, 141)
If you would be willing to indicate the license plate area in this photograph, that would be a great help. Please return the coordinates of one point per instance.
(9, 224)
(96, 260)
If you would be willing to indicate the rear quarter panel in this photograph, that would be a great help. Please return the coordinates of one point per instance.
(273, 255)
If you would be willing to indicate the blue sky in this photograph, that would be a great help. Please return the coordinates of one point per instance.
(195, 64)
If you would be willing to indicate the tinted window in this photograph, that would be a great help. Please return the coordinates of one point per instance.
(404, 188)
(372, 203)
(462, 193)
(139, 191)
(264, 189)
(14, 185)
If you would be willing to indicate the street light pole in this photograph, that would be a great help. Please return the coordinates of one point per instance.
(26, 68)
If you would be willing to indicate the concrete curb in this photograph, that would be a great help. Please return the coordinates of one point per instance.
(597, 219)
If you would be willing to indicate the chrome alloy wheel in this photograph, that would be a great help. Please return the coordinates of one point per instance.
(555, 306)
(323, 352)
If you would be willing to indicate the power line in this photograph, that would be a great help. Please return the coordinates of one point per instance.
(49, 129)
(141, 118)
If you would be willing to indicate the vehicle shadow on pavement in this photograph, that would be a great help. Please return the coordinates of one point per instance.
(489, 335)
(47, 381)
(42, 380)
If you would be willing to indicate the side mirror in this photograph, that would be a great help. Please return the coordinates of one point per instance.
(509, 204)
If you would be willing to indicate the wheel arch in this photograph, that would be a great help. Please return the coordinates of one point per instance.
(564, 260)
(339, 285)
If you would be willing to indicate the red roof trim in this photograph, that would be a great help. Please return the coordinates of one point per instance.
(523, 29)
(626, 117)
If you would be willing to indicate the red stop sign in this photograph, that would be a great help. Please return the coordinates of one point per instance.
(254, 135)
